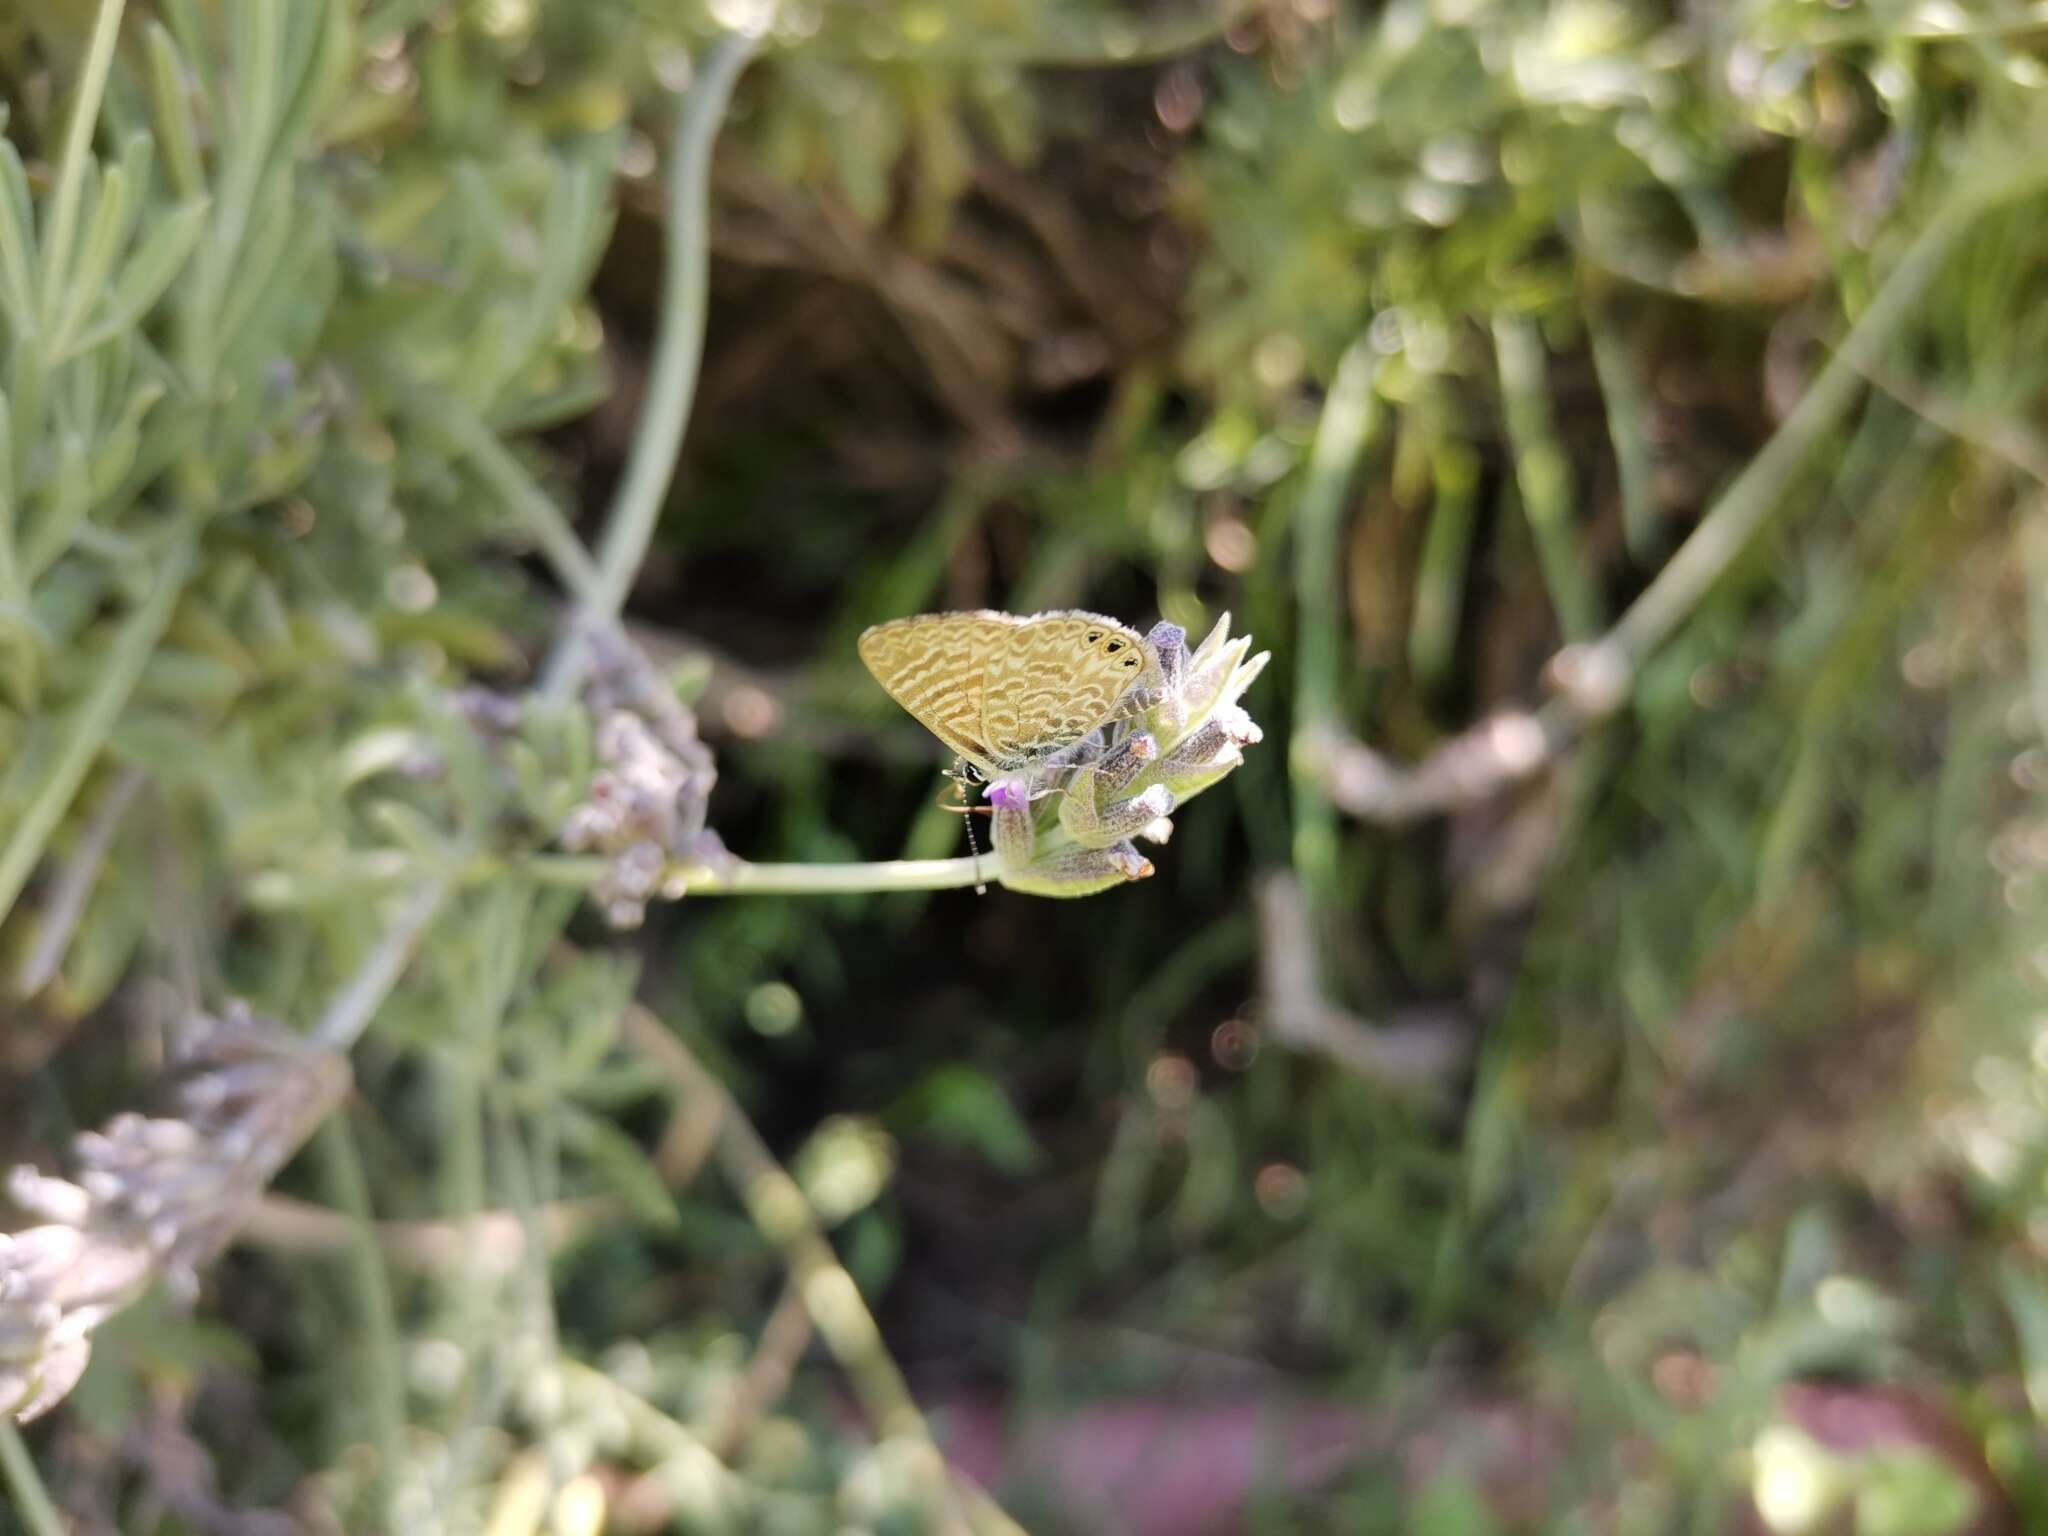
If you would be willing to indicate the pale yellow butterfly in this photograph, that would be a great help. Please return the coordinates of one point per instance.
(1005, 692)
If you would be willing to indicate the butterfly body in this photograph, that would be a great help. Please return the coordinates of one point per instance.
(1005, 692)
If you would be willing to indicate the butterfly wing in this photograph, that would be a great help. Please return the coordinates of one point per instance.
(935, 665)
(1055, 678)
(1005, 692)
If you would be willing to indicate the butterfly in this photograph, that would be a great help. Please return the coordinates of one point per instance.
(1007, 693)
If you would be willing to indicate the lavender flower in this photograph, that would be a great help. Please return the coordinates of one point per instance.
(646, 804)
(1071, 832)
(153, 1198)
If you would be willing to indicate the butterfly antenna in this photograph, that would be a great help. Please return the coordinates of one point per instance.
(974, 852)
(973, 845)
(957, 776)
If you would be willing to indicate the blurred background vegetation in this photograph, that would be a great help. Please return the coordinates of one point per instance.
(1586, 1072)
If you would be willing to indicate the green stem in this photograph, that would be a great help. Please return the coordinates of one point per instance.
(1622, 395)
(1542, 475)
(670, 1441)
(678, 348)
(1446, 550)
(350, 1012)
(376, 1311)
(1347, 423)
(117, 679)
(1610, 662)
(74, 887)
(558, 543)
(2034, 554)
(369, 873)
(744, 879)
(31, 1499)
(85, 117)
(259, 42)
(1757, 491)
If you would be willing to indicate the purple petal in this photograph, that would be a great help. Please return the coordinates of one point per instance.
(1008, 795)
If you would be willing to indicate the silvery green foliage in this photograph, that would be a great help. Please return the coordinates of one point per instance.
(263, 300)
(1074, 832)
(152, 1198)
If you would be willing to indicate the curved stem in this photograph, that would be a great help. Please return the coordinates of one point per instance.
(351, 1011)
(31, 1501)
(1748, 502)
(1509, 748)
(501, 469)
(678, 348)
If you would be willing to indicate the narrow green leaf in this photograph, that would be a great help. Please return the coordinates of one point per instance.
(620, 1163)
(575, 204)
(1350, 420)
(1623, 393)
(87, 728)
(116, 449)
(279, 226)
(188, 26)
(1446, 556)
(113, 217)
(77, 395)
(155, 263)
(255, 48)
(321, 53)
(576, 396)
(2027, 1299)
(75, 169)
(8, 506)
(115, 921)
(26, 395)
(1543, 474)
(17, 244)
(52, 283)
(186, 680)
(176, 131)
(69, 499)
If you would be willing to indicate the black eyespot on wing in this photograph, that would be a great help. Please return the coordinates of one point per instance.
(1114, 646)
(1130, 661)
(1094, 635)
